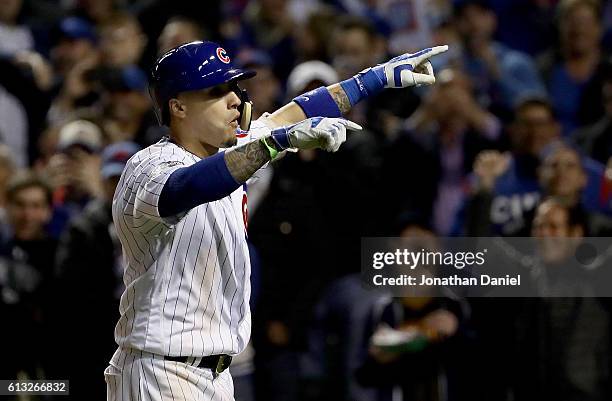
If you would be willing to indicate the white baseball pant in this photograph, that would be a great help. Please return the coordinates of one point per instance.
(141, 376)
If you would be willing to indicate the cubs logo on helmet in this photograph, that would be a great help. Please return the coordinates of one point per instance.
(222, 55)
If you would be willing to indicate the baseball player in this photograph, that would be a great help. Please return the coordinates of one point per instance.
(180, 210)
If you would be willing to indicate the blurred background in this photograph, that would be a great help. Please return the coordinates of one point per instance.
(514, 139)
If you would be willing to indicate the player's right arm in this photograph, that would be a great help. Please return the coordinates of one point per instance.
(337, 99)
(217, 176)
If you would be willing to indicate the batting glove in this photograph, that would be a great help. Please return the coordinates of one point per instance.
(399, 72)
(409, 69)
(317, 132)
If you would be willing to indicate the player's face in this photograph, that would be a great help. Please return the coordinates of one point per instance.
(212, 115)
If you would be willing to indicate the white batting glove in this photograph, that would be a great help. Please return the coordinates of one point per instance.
(317, 132)
(399, 72)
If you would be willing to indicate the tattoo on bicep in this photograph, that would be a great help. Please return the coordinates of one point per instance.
(337, 93)
(242, 162)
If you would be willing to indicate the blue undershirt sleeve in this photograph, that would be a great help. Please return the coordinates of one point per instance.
(206, 181)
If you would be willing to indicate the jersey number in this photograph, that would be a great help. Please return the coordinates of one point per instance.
(245, 211)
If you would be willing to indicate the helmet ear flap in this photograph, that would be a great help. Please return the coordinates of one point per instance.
(245, 109)
(246, 114)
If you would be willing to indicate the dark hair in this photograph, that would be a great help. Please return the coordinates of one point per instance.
(414, 218)
(537, 101)
(192, 22)
(576, 215)
(566, 6)
(351, 22)
(461, 5)
(25, 180)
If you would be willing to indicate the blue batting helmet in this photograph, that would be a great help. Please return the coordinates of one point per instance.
(192, 66)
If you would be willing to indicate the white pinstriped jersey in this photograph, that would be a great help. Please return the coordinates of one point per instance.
(186, 277)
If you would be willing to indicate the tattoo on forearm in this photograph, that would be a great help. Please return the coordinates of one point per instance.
(242, 162)
(340, 98)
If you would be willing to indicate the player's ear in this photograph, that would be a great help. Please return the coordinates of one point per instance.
(177, 108)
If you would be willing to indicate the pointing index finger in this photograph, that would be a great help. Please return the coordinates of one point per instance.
(351, 125)
(433, 52)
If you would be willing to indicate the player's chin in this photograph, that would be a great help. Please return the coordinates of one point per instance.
(230, 140)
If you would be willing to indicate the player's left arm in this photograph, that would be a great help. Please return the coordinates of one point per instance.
(337, 99)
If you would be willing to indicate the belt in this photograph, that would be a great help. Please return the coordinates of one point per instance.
(217, 363)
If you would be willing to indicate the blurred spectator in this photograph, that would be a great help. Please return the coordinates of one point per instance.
(446, 32)
(177, 31)
(155, 15)
(74, 171)
(74, 56)
(14, 36)
(405, 23)
(596, 140)
(24, 101)
(337, 342)
(570, 70)
(564, 340)
(284, 313)
(89, 247)
(576, 182)
(77, 41)
(507, 188)
(442, 139)
(265, 88)
(267, 25)
(429, 363)
(128, 115)
(502, 76)
(26, 272)
(97, 11)
(310, 75)
(525, 25)
(122, 41)
(510, 185)
(7, 170)
(354, 46)
(312, 36)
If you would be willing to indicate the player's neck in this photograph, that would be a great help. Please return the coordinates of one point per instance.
(194, 146)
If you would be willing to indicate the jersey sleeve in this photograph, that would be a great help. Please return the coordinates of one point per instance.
(149, 180)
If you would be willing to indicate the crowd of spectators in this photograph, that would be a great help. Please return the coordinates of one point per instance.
(514, 139)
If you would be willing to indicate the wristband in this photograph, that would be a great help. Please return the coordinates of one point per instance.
(273, 152)
(280, 136)
(365, 84)
(318, 103)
